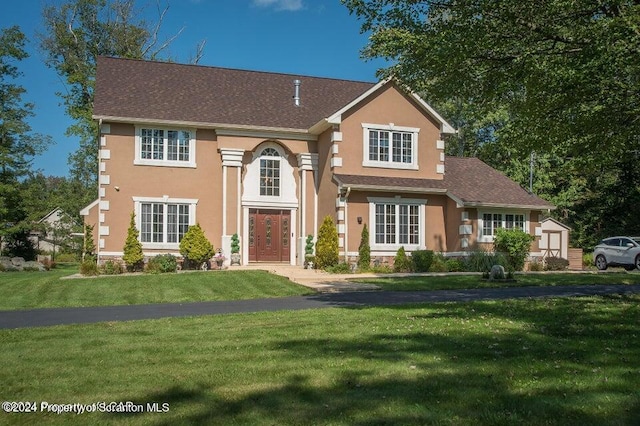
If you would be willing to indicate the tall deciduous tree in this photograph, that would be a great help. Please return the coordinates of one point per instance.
(562, 75)
(75, 33)
(18, 145)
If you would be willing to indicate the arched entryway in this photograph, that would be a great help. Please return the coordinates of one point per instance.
(269, 204)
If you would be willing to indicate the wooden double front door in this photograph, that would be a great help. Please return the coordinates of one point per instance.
(269, 235)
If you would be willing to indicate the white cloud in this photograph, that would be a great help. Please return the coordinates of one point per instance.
(288, 5)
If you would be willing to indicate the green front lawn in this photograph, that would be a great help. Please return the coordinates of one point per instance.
(24, 290)
(458, 282)
(565, 361)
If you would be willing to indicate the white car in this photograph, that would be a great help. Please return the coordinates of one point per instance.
(618, 251)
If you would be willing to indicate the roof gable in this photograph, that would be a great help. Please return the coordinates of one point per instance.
(445, 127)
(170, 92)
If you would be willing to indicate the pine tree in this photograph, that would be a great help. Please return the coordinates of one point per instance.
(133, 257)
(327, 245)
(401, 263)
(195, 247)
(364, 251)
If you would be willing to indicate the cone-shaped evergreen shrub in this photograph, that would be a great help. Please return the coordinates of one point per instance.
(364, 251)
(195, 247)
(133, 257)
(401, 262)
(235, 244)
(327, 244)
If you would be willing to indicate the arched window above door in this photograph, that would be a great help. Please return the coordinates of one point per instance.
(270, 172)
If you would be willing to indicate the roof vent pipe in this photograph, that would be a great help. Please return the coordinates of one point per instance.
(296, 96)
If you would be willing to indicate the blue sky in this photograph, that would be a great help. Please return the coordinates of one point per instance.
(308, 37)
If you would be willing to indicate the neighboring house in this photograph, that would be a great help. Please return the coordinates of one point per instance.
(268, 156)
(52, 231)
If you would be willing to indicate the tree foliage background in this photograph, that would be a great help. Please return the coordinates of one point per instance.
(75, 33)
(560, 78)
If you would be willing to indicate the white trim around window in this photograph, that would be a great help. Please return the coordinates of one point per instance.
(166, 210)
(396, 222)
(490, 220)
(397, 146)
(165, 146)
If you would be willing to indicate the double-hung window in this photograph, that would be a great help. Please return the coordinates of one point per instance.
(492, 221)
(396, 222)
(163, 222)
(390, 146)
(165, 147)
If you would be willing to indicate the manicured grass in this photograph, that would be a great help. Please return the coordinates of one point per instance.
(22, 290)
(457, 282)
(565, 361)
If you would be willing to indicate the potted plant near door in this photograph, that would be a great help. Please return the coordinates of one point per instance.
(308, 253)
(235, 250)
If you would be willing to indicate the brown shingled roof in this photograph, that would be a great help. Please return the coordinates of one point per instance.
(161, 91)
(466, 179)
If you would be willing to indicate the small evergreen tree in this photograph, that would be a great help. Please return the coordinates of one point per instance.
(88, 265)
(401, 262)
(364, 251)
(195, 246)
(327, 245)
(89, 247)
(133, 257)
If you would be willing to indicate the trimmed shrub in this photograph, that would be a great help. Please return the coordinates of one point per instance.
(133, 257)
(439, 263)
(454, 265)
(235, 244)
(340, 268)
(421, 260)
(381, 269)
(401, 263)
(89, 266)
(515, 244)
(327, 245)
(482, 261)
(162, 263)
(364, 251)
(308, 247)
(195, 247)
(536, 266)
(555, 264)
(111, 268)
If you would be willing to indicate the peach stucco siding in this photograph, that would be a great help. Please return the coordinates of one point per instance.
(389, 106)
(221, 186)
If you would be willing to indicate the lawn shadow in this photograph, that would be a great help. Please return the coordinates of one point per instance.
(550, 362)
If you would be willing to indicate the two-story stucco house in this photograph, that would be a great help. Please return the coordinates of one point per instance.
(268, 156)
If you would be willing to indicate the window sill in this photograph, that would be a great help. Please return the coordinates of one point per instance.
(395, 247)
(161, 246)
(162, 163)
(390, 165)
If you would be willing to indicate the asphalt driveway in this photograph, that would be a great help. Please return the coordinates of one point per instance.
(61, 316)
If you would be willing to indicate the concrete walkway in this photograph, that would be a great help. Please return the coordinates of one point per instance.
(62, 316)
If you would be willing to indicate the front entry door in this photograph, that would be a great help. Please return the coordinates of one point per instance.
(269, 235)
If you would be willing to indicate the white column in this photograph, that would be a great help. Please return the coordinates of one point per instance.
(238, 198)
(230, 158)
(224, 199)
(306, 162)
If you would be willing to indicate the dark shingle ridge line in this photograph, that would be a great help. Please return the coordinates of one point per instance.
(284, 74)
